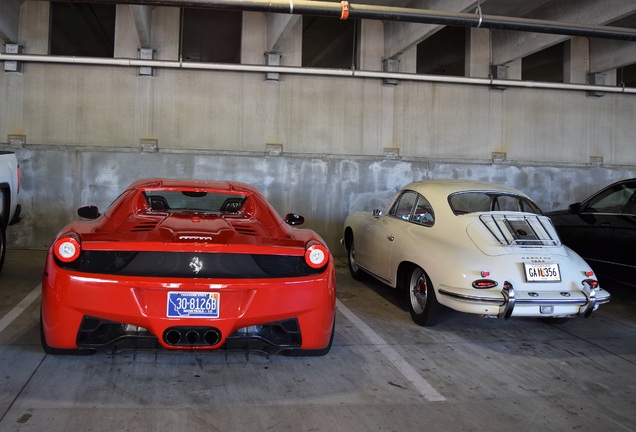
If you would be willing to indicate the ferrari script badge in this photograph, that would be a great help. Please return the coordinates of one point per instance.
(196, 265)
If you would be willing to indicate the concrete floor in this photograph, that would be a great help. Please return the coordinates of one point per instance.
(384, 373)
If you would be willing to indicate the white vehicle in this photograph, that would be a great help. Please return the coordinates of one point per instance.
(475, 247)
(9, 188)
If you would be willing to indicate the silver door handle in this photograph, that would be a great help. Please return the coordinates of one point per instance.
(390, 237)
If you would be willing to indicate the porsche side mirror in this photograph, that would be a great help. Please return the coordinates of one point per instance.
(377, 213)
(575, 208)
(88, 212)
(294, 219)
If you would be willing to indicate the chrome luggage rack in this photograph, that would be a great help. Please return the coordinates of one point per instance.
(522, 230)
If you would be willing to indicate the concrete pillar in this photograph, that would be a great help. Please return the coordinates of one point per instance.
(126, 38)
(576, 60)
(253, 38)
(514, 69)
(9, 12)
(408, 61)
(33, 31)
(371, 50)
(611, 78)
(164, 32)
(478, 53)
(285, 36)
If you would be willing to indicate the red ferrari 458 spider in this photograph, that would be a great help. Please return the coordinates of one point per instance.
(188, 265)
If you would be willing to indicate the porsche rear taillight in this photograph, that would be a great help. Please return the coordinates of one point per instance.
(316, 256)
(591, 283)
(484, 283)
(67, 249)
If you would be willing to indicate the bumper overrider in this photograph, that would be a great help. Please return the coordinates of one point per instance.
(509, 302)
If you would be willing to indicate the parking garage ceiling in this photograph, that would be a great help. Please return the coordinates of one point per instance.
(421, 13)
(519, 28)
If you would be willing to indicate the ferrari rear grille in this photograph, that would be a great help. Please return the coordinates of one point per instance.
(191, 265)
(520, 230)
(115, 337)
(145, 226)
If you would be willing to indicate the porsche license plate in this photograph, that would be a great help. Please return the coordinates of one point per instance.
(193, 304)
(542, 272)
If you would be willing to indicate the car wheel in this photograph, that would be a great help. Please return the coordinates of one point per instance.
(356, 272)
(3, 244)
(423, 306)
(59, 351)
(313, 353)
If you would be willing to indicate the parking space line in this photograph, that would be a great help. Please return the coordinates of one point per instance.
(20, 307)
(392, 355)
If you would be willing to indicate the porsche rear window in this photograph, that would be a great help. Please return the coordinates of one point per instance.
(472, 202)
(196, 201)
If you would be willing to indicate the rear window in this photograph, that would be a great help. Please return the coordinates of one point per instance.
(473, 202)
(195, 201)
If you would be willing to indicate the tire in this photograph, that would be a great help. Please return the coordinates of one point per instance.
(356, 272)
(422, 302)
(59, 351)
(313, 353)
(3, 244)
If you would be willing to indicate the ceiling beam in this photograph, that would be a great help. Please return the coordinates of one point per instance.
(606, 55)
(279, 28)
(143, 19)
(400, 36)
(508, 46)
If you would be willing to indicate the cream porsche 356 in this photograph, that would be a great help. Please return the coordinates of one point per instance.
(475, 247)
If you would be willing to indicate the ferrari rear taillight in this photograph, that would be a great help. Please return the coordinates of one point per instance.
(67, 249)
(316, 256)
(484, 283)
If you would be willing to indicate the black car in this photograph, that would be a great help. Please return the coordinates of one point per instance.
(602, 229)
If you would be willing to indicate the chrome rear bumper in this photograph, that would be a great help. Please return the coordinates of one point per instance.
(585, 301)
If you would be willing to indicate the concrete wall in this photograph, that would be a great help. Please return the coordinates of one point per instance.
(106, 106)
(57, 180)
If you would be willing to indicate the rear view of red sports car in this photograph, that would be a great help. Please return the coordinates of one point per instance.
(188, 265)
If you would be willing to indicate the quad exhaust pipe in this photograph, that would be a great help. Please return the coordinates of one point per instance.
(191, 336)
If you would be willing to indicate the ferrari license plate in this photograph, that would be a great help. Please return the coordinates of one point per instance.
(542, 272)
(193, 304)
